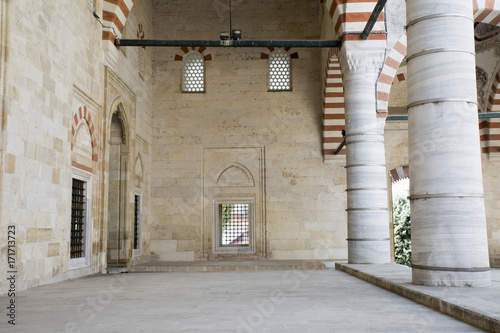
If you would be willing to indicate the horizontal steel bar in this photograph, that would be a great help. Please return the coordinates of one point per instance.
(364, 165)
(366, 209)
(227, 43)
(489, 115)
(396, 118)
(367, 189)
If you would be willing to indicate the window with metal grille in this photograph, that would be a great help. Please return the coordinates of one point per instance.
(77, 245)
(193, 73)
(234, 224)
(279, 71)
(137, 216)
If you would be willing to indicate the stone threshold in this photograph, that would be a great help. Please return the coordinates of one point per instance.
(220, 266)
(479, 307)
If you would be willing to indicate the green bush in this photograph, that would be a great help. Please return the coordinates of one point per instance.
(227, 212)
(402, 231)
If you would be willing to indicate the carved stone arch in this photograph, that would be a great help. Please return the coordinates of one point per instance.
(119, 110)
(82, 142)
(390, 72)
(115, 14)
(234, 174)
(400, 173)
(82, 118)
(486, 12)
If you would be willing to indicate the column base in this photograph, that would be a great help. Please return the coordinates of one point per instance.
(450, 279)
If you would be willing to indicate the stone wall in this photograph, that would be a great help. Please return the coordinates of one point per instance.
(52, 50)
(491, 183)
(303, 200)
(54, 88)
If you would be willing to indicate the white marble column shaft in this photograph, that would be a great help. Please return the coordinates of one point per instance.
(367, 211)
(449, 244)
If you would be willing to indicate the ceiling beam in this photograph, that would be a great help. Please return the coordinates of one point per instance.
(228, 43)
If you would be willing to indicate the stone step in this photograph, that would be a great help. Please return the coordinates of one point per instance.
(475, 306)
(219, 266)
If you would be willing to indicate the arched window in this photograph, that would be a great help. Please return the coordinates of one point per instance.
(193, 73)
(279, 71)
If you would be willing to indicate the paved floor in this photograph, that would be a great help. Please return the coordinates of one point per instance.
(236, 301)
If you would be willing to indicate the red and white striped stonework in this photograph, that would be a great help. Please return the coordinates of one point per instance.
(494, 97)
(399, 173)
(114, 14)
(390, 72)
(83, 113)
(185, 50)
(333, 110)
(266, 55)
(489, 133)
(351, 16)
(487, 11)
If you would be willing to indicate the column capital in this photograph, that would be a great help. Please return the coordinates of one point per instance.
(361, 60)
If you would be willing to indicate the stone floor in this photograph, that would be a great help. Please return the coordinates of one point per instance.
(231, 301)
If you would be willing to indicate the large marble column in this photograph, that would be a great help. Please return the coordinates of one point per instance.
(449, 244)
(367, 211)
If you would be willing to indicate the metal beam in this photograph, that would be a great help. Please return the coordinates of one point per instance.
(339, 148)
(489, 115)
(341, 145)
(373, 18)
(228, 43)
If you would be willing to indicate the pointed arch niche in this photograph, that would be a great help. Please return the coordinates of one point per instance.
(235, 174)
(119, 142)
(234, 218)
(117, 253)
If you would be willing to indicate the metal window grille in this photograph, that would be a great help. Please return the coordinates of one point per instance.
(193, 73)
(234, 224)
(279, 70)
(137, 213)
(77, 246)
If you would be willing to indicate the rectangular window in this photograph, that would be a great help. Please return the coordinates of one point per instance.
(137, 217)
(81, 221)
(193, 73)
(234, 224)
(77, 247)
(279, 71)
